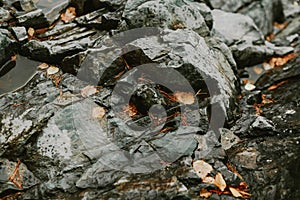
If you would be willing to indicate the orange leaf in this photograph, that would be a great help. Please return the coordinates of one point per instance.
(220, 182)
(69, 15)
(273, 87)
(202, 168)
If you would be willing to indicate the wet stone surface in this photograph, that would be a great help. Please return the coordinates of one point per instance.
(133, 93)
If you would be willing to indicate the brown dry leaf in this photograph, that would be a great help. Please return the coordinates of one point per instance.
(13, 58)
(130, 109)
(43, 66)
(69, 15)
(235, 192)
(30, 32)
(273, 87)
(220, 182)
(202, 168)
(98, 112)
(205, 193)
(88, 91)
(245, 194)
(185, 97)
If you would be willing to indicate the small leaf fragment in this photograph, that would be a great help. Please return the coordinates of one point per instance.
(234, 192)
(52, 70)
(88, 91)
(220, 182)
(43, 66)
(69, 15)
(30, 32)
(208, 179)
(185, 97)
(202, 168)
(205, 193)
(98, 112)
(249, 86)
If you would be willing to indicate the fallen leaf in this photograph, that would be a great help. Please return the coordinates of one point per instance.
(208, 179)
(69, 15)
(52, 70)
(234, 192)
(43, 66)
(279, 61)
(257, 70)
(14, 58)
(98, 112)
(220, 182)
(88, 91)
(130, 109)
(202, 168)
(270, 37)
(205, 193)
(273, 87)
(280, 26)
(30, 32)
(266, 100)
(185, 97)
(249, 86)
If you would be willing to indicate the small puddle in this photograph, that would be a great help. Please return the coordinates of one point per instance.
(22, 71)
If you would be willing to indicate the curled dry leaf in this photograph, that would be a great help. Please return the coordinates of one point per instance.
(185, 97)
(202, 168)
(235, 192)
(205, 193)
(43, 66)
(88, 91)
(69, 15)
(52, 70)
(98, 112)
(220, 182)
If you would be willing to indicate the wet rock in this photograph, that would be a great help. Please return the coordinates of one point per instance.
(7, 169)
(100, 19)
(5, 50)
(290, 8)
(13, 69)
(228, 139)
(168, 14)
(51, 10)
(20, 33)
(34, 19)
(68, 43)
(273, 170)
(247, 41)
(253, 126)
(27, 5)
(272, 11)
(4, 15)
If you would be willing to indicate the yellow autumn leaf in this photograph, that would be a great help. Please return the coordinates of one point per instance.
(184, 97)
(202, 168)
(220, 182)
